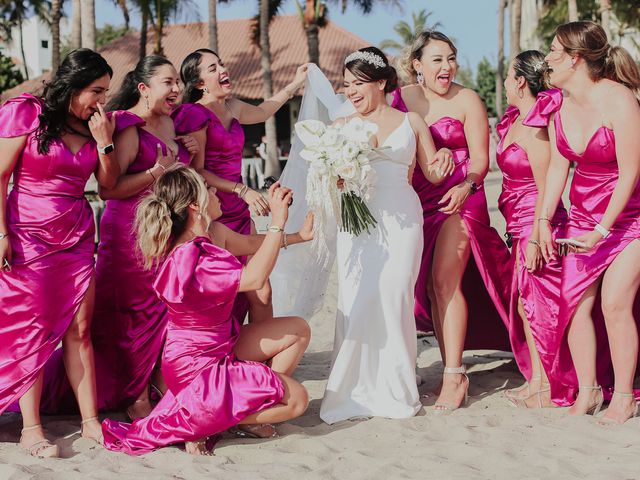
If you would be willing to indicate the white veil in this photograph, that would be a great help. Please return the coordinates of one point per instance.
(300, 278)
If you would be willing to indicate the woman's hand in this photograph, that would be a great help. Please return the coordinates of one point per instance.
(455, 198)
(279, 198)
(306, 231)
(545, 238)
(442, 163)
(257, 202)
(300, 77)
(162, 161)
(589, 239)
(533, 257)
(190, 143)
(340, 184)
(101, 127)
(5, 255)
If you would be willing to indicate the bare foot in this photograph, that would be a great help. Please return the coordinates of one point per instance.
(454, 388)
(33, 441)
(198, 448)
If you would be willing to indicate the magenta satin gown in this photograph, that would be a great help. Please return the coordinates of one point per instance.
(51, 231)
(486, 280)
(209, 389)
(223, 157)
(129, 320)
(595, 177)
(540, 291)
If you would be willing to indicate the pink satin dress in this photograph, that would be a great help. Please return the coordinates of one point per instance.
(129, 320)
(210, 390)
(540, 290)
(51, 230)
(595, 177)
(486, 279)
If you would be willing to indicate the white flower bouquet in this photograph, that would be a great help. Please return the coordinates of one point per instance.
(339, 152)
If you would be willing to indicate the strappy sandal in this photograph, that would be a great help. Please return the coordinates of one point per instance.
(522, 402)
(513, 393)
(441, 408)
(42, 448)
(597, 406)
(604, 421)
(253, 430)
(100, 439)
(200, 446)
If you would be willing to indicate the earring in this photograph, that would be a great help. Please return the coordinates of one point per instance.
(520, 93)
(420, 78)
(205, 90)
(199, 216)
(146, 101)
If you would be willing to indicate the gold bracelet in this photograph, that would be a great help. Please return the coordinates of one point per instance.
(151, 173)
(540, 219)
(284, 241)
(275, 229)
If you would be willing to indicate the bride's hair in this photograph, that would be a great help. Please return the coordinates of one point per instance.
(162, 215)
(369, 64)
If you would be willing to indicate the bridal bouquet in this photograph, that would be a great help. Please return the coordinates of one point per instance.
(339, 152)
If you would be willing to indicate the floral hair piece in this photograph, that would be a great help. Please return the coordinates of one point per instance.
(540, 65)
(369, 57)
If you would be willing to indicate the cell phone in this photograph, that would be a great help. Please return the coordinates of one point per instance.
(270, 181)
(570, 241)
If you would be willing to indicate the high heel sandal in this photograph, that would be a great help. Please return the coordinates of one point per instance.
(100, 439)
(253, 430)
(609, 421)
(596, 407)
(512, 393)
(446, 408)
(42, 448)
(200, 447)
(522, 402)
(129, 411)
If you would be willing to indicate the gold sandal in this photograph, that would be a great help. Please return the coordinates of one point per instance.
(42, 448)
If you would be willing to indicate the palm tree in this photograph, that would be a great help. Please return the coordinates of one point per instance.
(272, 164)
(573, 10)
(515, 17)
(56, 14)
(213, 25)
(76, 24)
(89, 24)
(605, 16)
(408, 33)
(502, 4)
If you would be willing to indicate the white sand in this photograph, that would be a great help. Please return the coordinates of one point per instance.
(489, 439)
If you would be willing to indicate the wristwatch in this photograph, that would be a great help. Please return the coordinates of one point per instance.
(473, 185)
(106, 150)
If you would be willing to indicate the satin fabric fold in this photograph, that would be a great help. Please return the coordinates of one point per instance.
(540, 291)
(486, 279)
(129, 321)
(209, 389)
(594, 179)
(51, 232)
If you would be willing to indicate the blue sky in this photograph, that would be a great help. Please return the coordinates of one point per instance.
(472, 23)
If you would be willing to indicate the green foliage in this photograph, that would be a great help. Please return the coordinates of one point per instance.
(464, 77)
(486, 85)
(10, 75)
(408, 33)
(104, 35)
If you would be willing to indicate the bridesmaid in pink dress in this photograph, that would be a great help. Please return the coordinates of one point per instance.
(523, 156)
(214, 118)
(464, 260)
(595, 124)
(51, 145)
(210, 389)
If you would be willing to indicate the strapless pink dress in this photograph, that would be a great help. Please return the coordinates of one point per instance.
(51, 232)
(540, 291)
(129, 320)
(209, 389)
(594, 179)
(487, 278)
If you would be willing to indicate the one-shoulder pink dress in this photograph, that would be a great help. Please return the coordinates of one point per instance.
(129, 320)
(210, 390)
(595, 177)
(487, 278)
(51, 232)
(540, 290)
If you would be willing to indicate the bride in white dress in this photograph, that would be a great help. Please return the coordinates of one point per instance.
(374, 353)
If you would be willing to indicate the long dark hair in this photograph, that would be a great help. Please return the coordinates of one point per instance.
(370, 72)
(190, 75)
(78, 70)
(531, 66)
(128, 95)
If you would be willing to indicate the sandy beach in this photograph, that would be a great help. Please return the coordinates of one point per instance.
(489, 439)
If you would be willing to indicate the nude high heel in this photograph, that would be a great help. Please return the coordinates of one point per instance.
(609, 421)
(447, 408)
(596, 407)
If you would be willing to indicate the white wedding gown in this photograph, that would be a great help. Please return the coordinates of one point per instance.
(374, 352)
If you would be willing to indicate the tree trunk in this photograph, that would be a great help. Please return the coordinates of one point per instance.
(272, 167)
(311, 29)
(573, 10)
(530, 16)
(89, 24)
(144, 28)
(500, 67)
(159, 28)
(76, 24)
(56, 13)
(213, 25)
(515, 18)
(24, 56)
(605, 12)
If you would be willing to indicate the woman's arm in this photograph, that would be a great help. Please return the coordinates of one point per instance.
(476, 131)
(11, 149)
(435, 166)
(248, 114)
(102, 129)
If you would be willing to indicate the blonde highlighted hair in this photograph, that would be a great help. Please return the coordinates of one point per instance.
(414, 52)
(162, 216)
(589, 41)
